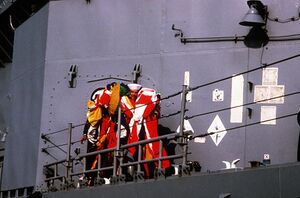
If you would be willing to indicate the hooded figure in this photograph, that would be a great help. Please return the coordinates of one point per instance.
(141, 109)
(95, 129)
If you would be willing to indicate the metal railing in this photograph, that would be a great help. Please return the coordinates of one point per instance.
(20, 192)
(67, 178)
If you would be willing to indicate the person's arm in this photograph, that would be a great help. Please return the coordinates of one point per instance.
(85, 130)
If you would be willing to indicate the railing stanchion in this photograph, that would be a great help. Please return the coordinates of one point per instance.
(118, 152)
(139, 158)
(183, 139)
(160, 154)
(69, 151)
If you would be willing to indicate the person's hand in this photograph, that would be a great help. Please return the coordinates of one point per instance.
(83, 138)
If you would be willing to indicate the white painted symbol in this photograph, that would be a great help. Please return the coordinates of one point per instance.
(187, 129)
(269, 92)
(268, 113)
(266, 156)
(232, 164)
(218, 95)
(217, 126)
(237, 99)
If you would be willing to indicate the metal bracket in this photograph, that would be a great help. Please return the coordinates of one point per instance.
(159, 173)
(72, 74)
(178, 31)
(249, 110)
(138, 176)
(136, 72)
(250, 86)
(183, 170)
(117, 179)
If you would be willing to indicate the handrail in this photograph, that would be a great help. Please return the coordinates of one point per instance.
(97, 152)
(141, 142)
(153, 160)
(149, 140)
(119, 152)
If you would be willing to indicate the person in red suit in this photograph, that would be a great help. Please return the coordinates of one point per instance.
(142, 110)
(96, 130)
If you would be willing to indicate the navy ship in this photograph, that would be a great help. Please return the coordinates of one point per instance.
(225, 71)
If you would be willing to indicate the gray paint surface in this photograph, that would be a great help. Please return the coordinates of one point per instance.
(258, 182)
(26, 89)
(107, 38)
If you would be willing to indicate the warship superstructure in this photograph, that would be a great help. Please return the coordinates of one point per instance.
(225, 70)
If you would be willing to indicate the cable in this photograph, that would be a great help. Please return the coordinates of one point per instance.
(206, 84)
(75, 126)
(6, 53)
(169, 115)
(171, 96)
(287, 36)
(5, 37)
(197, 115)
(247, 104)
(65, 129)
(284, 39)
(293, 18)
(226, 78)
(109, 78)
(61, 145)
(242, 126)
(244, 72)
(45, 151)
(48, 140)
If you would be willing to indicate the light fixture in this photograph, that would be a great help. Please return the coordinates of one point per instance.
(256, 18)
(256, 38)
(256, 15)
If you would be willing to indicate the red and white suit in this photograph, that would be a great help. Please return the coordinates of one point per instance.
(107, 125)
(141, 112)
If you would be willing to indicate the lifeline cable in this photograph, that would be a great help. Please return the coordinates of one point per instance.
(48, 140)
(61, 145)
(247, 104)
(244, 72)
(169, 115)
(243, 126)
(223, 109)
(210, 83)
(65, 129)
(223, 79)
(201, 114)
